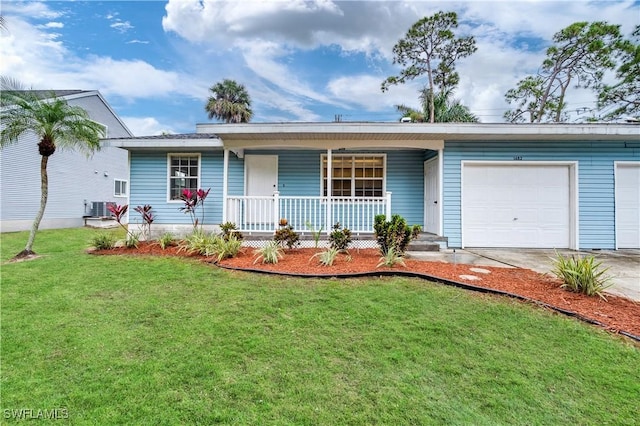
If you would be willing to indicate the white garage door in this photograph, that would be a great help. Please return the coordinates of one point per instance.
(628, 205)
(524, 206)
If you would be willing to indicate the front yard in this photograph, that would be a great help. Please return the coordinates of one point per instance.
(141, 340)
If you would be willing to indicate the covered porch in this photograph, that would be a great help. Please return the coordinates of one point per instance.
(305, 213)
(355, 176)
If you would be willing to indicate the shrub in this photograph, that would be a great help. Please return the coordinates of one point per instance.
(395, 234)
(286, 236)
(270, 253)
(226, 248)
(328, 256)
(103, 241)
(339, 239)
(581, 274)
(391, 258)
(199, 242)
(132, 240)
(228, 229)
(166, 240)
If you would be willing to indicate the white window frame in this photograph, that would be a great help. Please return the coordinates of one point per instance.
(198, 177)
(121, 193)
(353, 157)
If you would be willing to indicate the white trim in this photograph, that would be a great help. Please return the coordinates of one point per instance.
(441, 190)
(574, 214)
(352, 155)
(126, 192)
(425, 164)
(181, 154)
(225, 184)
(617, 164)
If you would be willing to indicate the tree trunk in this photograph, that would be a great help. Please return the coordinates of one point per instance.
(44, 193)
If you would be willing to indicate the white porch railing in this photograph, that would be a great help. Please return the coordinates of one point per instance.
(263, 214)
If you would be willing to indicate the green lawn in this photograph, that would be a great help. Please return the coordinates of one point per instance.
(124, 340)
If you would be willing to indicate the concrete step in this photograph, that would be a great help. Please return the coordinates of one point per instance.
(423, 246)
(427, 242)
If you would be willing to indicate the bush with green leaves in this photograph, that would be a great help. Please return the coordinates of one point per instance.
(132, 240)
(226, 248)
(286, 236)
(391, 259)
(228, 229)
(340, 238)
(199, 242)
(269, 253)
(103, 241)
(328, 256)
(394, 234)
(166, 240)
(581, 274)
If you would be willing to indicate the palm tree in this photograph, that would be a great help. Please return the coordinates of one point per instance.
(445, 109)
(230, 102)
(56, 123)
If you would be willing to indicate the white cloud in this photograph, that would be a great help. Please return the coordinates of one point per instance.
(121, 26)
(33, 9)
(137, 42)
(146, 126)
(53, 25)
(37, 59)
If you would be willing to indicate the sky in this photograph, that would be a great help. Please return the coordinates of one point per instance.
(302, 61)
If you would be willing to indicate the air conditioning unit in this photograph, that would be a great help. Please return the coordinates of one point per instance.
(100, 209)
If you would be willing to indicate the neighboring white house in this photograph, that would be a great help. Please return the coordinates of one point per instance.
(78, 186)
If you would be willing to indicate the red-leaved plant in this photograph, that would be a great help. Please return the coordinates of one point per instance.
(147, 219)
(118, 212)
(191, 200)
(145, 212)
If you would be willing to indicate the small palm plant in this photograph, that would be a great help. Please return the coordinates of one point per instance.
(166, 240)
(270, 253)
(328, 256)
(581, 274)
(391, 258)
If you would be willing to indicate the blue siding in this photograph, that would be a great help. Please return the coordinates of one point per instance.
(298, 174)
(595, 181)
(148, 185)
(405, 179)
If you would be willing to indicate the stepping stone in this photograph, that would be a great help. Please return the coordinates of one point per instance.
(469, 277)
(480, 270)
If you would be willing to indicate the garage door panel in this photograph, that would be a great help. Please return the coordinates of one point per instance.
(628, 206)
(516, 206)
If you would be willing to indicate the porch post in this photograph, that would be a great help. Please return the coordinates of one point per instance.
(276, 210)
(328, 224)
(225, 184)
(388, 206)
(441, 191)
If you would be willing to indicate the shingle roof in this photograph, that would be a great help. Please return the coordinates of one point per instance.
(169, 136)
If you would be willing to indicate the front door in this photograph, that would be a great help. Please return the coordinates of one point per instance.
(261, 180)
(431, 208)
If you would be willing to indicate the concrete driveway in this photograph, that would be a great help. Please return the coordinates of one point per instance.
(624, 265)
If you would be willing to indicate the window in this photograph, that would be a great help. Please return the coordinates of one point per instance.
(355, 175)
(120, 188)
(184, 172)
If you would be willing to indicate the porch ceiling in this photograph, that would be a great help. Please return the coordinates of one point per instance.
(330, 141)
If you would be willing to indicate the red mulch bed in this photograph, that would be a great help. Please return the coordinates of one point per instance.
(616, 313)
